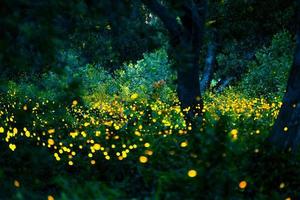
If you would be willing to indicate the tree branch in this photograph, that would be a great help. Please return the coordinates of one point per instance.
(168, 20)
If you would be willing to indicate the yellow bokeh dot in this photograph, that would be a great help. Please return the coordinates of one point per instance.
(15, 130)
(97, 147)
(50, 131)
(27, 133)
(147, 144)
(25, 107)
(192, 173)
(184, 144)
(149, 152)
(143, 159)
(50, 197)
(134, 96)
(243, 184)
(16, 183)
(234, 132)
(12, 147)
(74, 103)
(51, 142)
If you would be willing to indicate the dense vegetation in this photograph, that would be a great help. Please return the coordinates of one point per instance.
(98, 99)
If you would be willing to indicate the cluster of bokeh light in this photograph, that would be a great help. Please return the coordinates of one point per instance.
(103, 130)
(110, 130)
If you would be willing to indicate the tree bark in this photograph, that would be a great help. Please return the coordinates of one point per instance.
(286, 130)
(185, 41)
(210, 63)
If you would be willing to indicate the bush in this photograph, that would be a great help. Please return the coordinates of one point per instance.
(268, 74)
(150, 77)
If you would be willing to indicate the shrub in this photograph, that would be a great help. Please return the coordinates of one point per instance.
(268, 74)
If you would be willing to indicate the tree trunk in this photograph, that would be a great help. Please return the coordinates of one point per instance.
(286, 130)
(209, 64)
(185, 41)
(188, 86)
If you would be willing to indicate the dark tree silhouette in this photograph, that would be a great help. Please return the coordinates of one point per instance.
(185, 36)
(286, 130)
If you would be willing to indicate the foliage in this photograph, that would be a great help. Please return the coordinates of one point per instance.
(140, 147)
(239, 19)
(150, 77)
(111, 38)
(88, 105)
(233, 61)
(267, 75)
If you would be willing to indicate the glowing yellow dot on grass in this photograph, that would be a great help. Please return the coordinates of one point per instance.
(1, 130)
(243, 184)
(50, 197)
(137, 133)
(74, 103)
(124, 154)
(15, 130)
(117, 127)
(134, 96)
(282, 185)
(73, 134)
(16, 183)
(192, 173)
(25, 107)
(51, 142)
(12, 147)
(97, 147)
(50, 131)
(98, 133)
(147, 144)
(70, 163)
(27, 133)
(83, 134)
(93, 162)
(184, 144)
(149, 152)
(234, 132)
(56, 156)
(285, 129)
(143, 159)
